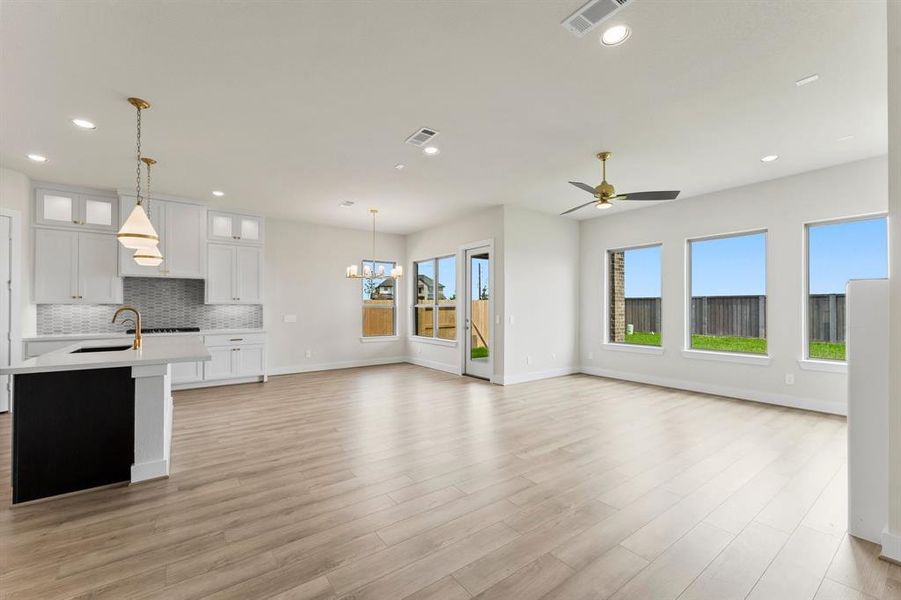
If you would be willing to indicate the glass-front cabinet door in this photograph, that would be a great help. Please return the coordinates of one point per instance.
(232, 227)
(60, 208)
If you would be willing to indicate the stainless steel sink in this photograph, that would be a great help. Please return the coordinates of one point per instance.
(101, 349)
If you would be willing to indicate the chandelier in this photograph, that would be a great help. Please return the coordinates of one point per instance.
(352, 272)
(137, 232)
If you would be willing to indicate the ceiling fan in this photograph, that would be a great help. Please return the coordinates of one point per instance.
(604, 192)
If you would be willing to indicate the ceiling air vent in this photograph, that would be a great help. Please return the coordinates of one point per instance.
(421, 137)
(591, 15)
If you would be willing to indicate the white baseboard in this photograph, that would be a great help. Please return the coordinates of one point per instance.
(534, 375)
(891, 546)
(432, 364)
(216, 382)
(149, 470)
(347, 364)
(824, 406)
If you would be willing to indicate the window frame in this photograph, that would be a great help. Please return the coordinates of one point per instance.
(725, 355)
(624, 346)
(825, 364)
(392, 306)
(434, 304)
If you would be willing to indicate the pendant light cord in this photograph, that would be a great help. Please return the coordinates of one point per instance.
(138, 169)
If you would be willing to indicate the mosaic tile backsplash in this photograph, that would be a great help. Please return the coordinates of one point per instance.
(162, 302)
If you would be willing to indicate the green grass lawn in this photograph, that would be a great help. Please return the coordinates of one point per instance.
(706, 342)
(827, 350)
(481, 352)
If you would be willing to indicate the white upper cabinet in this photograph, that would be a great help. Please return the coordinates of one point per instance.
(235, 274)
(78, 210)
(233, 227)
(181, 227)
(185, 242)
(98, 277)
(72, 267)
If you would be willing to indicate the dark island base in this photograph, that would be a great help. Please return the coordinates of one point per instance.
(72, 430)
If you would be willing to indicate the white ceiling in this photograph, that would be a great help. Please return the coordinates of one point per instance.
(292, 108)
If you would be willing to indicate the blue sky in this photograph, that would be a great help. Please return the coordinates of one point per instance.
(736, 266)
(843, 251)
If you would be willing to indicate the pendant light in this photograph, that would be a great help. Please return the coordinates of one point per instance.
(148, 257)
(352, 272)
(137, 232)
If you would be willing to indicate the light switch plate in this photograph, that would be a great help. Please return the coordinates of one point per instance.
(290, 318)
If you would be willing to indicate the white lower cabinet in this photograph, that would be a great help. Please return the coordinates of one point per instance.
(235, 356)
(190, 372)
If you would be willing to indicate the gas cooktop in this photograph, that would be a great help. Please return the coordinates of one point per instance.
(166, 330)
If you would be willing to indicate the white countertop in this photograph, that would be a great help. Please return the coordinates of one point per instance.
(62, 337)
(156, 350)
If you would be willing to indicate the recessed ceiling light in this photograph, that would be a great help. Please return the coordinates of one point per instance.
(431, 150)
(806, 80)
(400, 166)
(769, 158)
(616, 35)
(84, 124)
(218, 194)
(37, 158)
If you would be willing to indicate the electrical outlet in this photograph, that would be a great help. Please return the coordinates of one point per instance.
(591, 356)
(497, 319)
(418, 349)
(290, 318)
(309, 354)
(789, 379)
(512, 319)
(529, 360)
(553, 355)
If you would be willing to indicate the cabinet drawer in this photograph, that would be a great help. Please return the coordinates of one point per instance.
(236, 339)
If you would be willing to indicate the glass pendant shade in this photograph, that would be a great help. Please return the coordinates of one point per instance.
(137, 232)
(149, 257)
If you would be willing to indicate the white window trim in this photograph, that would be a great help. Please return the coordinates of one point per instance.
(731, 357)
(725, 355)
(380, 338)
(824, 366)
(433, 340)
(634, 348)
(606, 316)
(434, 305)
(806, 362)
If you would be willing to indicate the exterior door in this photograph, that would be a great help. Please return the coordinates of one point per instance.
(5, 307)
(477, 325)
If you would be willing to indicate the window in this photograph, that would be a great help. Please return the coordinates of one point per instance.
(379, 301)
(435, 304)
(728, 294)
(634, 302)
(837, 252)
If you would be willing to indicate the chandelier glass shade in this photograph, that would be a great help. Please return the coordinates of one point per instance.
(149, 257)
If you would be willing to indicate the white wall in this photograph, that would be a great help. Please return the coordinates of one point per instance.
(891, 546)
(541, 284)
(782, 207)
(15, 194)
(304, 276)
(443, 240)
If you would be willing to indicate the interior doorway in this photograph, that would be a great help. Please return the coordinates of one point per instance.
(6, 304)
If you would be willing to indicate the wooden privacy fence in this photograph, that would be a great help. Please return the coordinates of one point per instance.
(742, 316)
(378, 319)
(826, 317)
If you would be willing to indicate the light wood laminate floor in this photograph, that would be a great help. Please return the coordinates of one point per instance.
(402, 482)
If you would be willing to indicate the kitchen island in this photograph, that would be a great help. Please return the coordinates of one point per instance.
(94, 413)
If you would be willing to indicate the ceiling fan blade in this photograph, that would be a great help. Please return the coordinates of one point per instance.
(575, 208)
(584, 186)
(664, 195)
